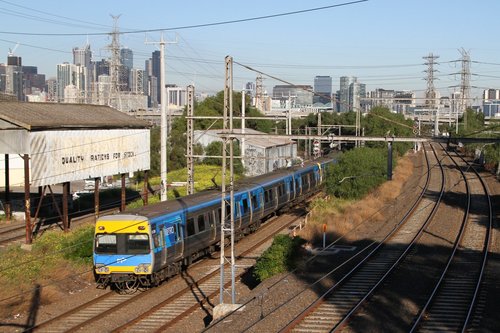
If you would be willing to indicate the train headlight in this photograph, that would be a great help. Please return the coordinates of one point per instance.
(143, 268)
(101, 269)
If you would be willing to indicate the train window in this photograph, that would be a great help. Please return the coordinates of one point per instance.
(271, 195)
(255, 202)
(138, 244)
(176, 232)
(228, 212)
(162, 236)
(211, 219)
(245, 206)
(266, 197)
(201, 223)
(190, 227)
(156, 241)
(105, 244)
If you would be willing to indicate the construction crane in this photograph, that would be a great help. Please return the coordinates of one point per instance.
(11, 51)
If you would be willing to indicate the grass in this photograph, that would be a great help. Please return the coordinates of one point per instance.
(203, 175)
(341, 215)
(59, 262)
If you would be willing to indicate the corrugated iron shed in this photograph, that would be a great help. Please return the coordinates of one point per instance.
(264, 141)
(50, 116)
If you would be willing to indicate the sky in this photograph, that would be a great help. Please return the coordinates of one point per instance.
(381, 42)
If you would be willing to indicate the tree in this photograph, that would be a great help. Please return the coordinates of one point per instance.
(215, 149)
(382, 122)
(357, 172)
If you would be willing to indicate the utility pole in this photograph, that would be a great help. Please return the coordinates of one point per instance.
(115, 65)
(225, 229)
(243, 127)
(164, 123)
(190, 139)
(430, 93)
(465, 84)
(259, 94)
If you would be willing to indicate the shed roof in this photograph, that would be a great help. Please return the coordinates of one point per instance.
(40, 116)
(259, 139)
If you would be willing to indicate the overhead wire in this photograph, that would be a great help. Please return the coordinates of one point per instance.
(202, 25)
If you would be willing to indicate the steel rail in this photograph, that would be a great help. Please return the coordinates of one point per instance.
(311, 308)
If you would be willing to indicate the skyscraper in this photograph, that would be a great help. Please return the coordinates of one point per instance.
(64, 78)
(127, 63)
(350, 93)
(127, 58)
(137, 81)
(82, 56)
(322, 89)
(155, 58)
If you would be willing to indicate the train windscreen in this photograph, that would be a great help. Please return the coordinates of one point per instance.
(122, 244)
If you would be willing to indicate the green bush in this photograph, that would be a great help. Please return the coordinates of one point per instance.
(357, 172)
(78, 245)
(278, 258)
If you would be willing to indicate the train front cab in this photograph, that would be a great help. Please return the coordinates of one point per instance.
(122, 249)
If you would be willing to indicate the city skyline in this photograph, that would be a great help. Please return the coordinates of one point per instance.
(380, 48)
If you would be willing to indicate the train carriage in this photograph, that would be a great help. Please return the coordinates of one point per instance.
(144, 246)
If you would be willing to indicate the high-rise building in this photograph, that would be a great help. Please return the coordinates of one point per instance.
(51, 90)
(156, 71)
(101, 68)
(350, 93)
(75, 75)
(127, 63)
(322, 89)
(137, 81)
(127, 58)
(82, 56)
(13, 60)
(491, 94)
(11, 77)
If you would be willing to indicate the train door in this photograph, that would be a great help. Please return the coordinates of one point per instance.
(212, 225)
(245, 209)
(174, 236)
(160, 250)
(256, 204)
(298, 186)
(237, 211)
(290, 188)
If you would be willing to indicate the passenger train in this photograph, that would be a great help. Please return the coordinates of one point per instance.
(142, 247)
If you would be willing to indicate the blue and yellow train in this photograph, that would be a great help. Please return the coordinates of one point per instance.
(145, 246)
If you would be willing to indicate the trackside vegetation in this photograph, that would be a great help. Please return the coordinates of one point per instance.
(52, 254)
(280, 257)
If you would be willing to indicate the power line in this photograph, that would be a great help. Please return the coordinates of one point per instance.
(54, 15)
(203, 25)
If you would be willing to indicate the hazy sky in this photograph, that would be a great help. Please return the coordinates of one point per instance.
(382, 42)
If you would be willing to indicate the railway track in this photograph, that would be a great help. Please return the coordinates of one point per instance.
(11, 233)
(16, 232)
(197, 291)
(181, 305)
(335, 306)
(450, 306)
(372, 255)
